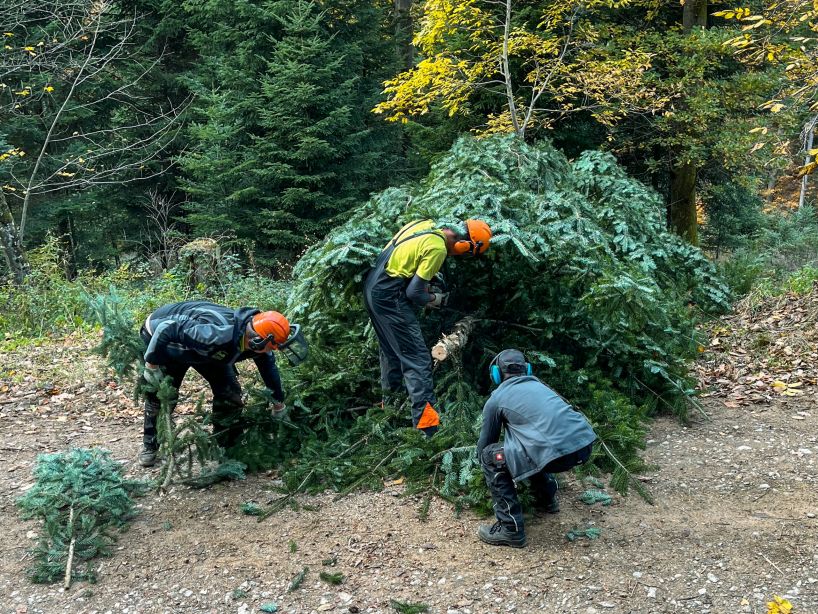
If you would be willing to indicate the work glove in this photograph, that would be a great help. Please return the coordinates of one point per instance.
(153, 375)
(439, 299)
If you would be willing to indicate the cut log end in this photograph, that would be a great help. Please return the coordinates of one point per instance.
(455, 341)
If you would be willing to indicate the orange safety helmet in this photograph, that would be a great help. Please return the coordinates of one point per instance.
(272, 329)
(479, 238)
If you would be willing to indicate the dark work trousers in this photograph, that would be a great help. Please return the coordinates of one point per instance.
(544, 486)
(227, 403)
(404, 356)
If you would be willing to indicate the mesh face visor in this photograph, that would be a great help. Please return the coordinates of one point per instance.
(295, 348)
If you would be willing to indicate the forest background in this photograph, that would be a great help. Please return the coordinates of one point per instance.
(647, 162)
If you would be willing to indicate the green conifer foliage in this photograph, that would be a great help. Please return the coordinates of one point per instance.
(582, 275)
(120, 344)
(282, 139)
(81, 497)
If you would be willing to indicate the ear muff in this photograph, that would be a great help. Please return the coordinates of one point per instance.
(463, 247)
(259, 343)
(495, 375)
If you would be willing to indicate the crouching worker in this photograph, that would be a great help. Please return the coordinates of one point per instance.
(543, 436)
(211, 339)
(396, 287)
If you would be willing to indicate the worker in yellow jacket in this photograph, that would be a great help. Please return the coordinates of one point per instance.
(398, 283)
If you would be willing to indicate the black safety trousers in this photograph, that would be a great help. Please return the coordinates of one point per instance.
(227, 403)
(404, 357)
(544, 485)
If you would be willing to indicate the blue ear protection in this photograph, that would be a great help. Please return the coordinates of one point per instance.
(494, 374)
(497, 377)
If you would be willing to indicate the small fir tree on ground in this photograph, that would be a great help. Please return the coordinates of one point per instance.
(82, 499)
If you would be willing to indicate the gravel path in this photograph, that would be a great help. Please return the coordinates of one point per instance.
(734, 524)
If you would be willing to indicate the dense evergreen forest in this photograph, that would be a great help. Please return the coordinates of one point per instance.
(131, 127)
(641, 163)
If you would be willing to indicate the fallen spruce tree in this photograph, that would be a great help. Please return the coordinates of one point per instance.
(582, 275)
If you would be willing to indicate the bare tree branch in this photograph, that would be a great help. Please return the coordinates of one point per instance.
(72, 46)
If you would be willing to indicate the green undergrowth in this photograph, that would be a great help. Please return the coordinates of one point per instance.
(781, 257)
(50, 304)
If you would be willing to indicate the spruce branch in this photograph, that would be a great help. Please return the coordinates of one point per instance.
(361, 479)
(279, 504)
(630, 478)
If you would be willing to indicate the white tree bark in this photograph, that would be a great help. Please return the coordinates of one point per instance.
(10, 242)
(807, 138)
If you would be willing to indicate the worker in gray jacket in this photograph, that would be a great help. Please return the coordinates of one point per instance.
(543, 435)
(211, 339)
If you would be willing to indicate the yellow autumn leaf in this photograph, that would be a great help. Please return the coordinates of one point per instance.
(8, 34)
(779, 385)
(807, 169)
(775, 108)
(29, 48)
(779, 605)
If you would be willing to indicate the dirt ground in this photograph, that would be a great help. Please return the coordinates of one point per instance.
(734, 523)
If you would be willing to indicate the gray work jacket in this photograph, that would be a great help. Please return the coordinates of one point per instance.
(200, 332)
(539, 425)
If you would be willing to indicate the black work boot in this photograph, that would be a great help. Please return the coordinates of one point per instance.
(551, 506)
(499, 535)
(147, 456)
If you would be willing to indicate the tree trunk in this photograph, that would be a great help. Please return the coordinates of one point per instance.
(682, 206)
(10, 242)
(69, 250)
(694, 13)
(404, 32)
(809, 131)
(201, 259)
(454, 341)
(683, 202)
